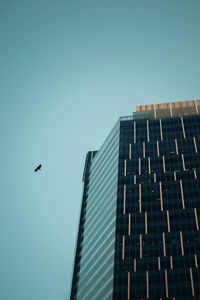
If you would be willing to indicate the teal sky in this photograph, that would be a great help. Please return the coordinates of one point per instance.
(68, 71)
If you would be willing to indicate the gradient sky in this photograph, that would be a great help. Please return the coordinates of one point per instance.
(68, 71)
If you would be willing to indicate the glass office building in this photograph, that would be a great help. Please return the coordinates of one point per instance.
(139, 225)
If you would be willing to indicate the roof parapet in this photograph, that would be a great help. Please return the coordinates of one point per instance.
(167, 110)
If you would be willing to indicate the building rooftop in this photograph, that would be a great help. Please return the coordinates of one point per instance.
(167, 110)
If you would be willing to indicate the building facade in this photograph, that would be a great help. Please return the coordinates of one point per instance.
(139, 232)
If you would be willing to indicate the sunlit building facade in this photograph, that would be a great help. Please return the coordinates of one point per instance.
(139, 232)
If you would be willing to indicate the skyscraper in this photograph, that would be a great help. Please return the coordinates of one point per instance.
(139, 232)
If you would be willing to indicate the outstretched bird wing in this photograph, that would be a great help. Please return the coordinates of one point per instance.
(38, 168)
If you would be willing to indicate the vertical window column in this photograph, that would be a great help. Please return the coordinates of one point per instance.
(140, 246)
(176, 144)
(166, 284)
(144, 149)
(161, 133)
(123, 246)
(147, 281)
(145, 216)
(139, 166)
(183, 128)
(192, 282)
(196, 218)
(149, 165)
(161, 200)
(195, 260)
(168, 223)
(174, 175)
(124, 208)
(134, 129)
(183, 161)
(195, 144)
(128, 286)
(163, 159)
(129, 224)
(164, 248)
(125, 167)
(140, 200)
(154, 177)
(171, 262)
(130, 151)
(159, 268)
(134, 264)
(158, 150)
(182, 196)
(147, 130)
(181, 238)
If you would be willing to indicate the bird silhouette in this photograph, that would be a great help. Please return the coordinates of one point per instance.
(38, 168)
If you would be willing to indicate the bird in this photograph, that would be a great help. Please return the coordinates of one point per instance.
(38, 168)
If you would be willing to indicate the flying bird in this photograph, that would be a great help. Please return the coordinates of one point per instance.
(38, 168)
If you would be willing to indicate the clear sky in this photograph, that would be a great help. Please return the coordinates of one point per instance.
(68, 71)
